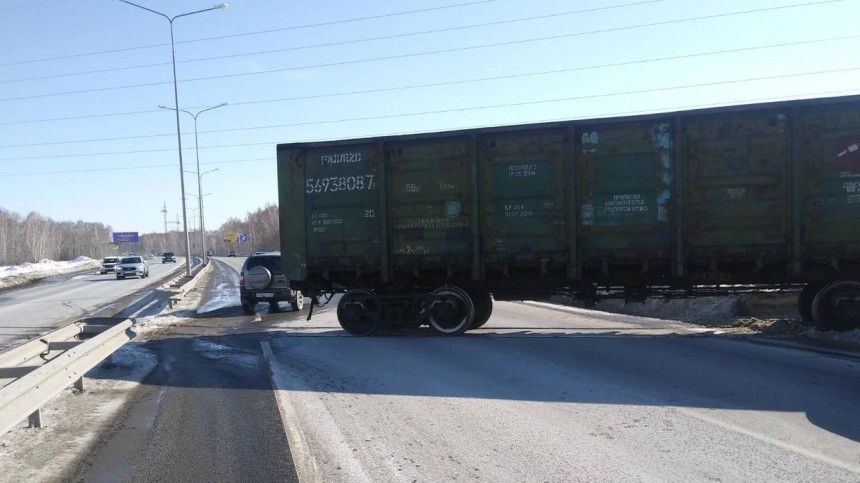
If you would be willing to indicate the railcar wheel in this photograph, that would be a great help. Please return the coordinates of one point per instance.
(483, 308)
(837, 306)
(804, 301)
(454, 314)
(357, 312)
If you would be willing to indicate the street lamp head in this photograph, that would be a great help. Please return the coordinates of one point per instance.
(223, 104)
(222, 6)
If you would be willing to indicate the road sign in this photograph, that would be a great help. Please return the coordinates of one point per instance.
(126, 236)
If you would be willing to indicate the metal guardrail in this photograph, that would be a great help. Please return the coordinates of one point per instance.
(35, 372)
(178, 287)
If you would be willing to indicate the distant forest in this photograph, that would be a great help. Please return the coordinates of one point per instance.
(35, 237)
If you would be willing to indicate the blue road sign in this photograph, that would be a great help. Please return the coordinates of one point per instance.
(127, 236)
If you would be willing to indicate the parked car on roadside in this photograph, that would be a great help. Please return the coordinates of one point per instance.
(108, 264)
(231, 253)
(132, 267)
(263, 280)
(168, 257)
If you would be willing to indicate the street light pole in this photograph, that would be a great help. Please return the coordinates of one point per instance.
(200, 208)
(178, 132)
(199, 175)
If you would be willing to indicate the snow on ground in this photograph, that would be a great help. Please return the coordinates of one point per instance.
(222, 352)
(11, 276)
(223, 295)
(772, 315)
(144, 325)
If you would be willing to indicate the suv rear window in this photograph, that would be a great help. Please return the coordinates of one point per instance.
(273, 263)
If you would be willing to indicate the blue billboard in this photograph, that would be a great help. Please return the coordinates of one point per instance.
(126, 236)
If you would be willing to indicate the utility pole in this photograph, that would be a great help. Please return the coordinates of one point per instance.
(164, 210)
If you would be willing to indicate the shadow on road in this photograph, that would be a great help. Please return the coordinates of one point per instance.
(566, 367)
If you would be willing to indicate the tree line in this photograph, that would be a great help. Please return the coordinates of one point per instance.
(34, 237)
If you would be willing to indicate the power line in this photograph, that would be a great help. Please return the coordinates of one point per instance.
(455, 82)
(259, 32)
(807, 95)
(445, 111)
(75, 118)
(333, 44)
(435, 52)
(130, 168)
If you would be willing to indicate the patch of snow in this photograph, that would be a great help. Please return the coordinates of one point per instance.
(148, 324)
(22, 274)
(201, 345)
(224, 295)
(221, 352)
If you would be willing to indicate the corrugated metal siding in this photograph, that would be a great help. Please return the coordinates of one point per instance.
(429, 192)
(341, 206)
(831, 154)
(625, 182)
(523, 198)
(737, 182)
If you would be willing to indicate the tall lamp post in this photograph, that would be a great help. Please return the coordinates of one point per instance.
(199, 175)
(178, 132)
(200, 210)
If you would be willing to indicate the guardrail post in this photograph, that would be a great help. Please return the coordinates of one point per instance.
(35, 419)
(79, 384)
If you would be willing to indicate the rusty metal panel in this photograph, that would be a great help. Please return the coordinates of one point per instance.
(625, 191)
(429, 203)
(738, 183)
(291, 204)
(341, 188)
(523, 198)
(831, 155)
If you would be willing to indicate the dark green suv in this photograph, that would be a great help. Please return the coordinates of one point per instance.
(262, 279)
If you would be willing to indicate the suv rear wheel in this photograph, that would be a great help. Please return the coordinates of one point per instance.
(298, 301)
(248, 307)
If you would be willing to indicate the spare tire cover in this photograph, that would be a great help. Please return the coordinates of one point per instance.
(258, 278)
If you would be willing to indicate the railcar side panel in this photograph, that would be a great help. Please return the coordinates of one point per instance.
(341, 205)
(625, 193)
(523, 200)
(737, 186)
(429, 204)
(831, 156)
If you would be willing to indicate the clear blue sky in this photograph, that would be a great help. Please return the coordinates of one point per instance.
(82, 138)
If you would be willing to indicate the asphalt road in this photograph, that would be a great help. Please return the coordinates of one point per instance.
(61, 299)
(538, 395)
(206, 413)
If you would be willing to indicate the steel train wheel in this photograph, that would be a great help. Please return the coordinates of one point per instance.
(357, 312)
(804, 301)
(452, 315)
(483, 308)
(837, 306)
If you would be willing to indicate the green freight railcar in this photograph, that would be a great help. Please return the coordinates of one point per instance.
(430, 228)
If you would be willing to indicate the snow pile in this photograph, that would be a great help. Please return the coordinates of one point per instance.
(148, 324)
(22, 274)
